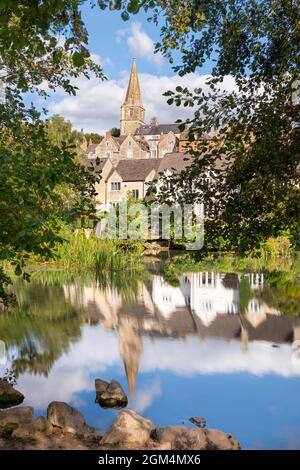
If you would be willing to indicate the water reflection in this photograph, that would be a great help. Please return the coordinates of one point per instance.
(68, 331)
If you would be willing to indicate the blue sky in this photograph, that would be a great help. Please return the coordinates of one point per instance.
(113, 43)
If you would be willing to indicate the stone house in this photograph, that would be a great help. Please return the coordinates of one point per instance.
(128, 177)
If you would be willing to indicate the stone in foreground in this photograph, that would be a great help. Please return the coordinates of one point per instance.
(63, 416)
(110, 395)
(129, 429)
(9, 396)
(220, 440)
(183, 438)
(12, 418)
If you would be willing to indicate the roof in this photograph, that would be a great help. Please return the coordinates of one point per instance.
(143, 144)
(119, 140)
(92, 148)
(135, 170)
(91, 162)
(178, 161)
(204, 136)
(175, 160)
(157, 130)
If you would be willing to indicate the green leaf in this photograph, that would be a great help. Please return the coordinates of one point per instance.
(18, 270)
(133, 7)
(78, 60)
(125, 16)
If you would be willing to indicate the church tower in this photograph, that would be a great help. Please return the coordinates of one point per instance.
(132, 110)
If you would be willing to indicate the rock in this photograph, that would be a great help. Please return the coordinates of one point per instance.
(110, 395)
(199, 422)
(23, 432)
(9, 396)
(40, 424)
(32, 429)
(67, 418)
(101, 386)
(129, 429)
(220, 440)
(22, 415)
(12, 418)
(181, 437)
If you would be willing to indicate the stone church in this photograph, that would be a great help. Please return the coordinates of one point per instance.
(129, 162)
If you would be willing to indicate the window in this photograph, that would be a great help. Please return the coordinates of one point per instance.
(153, 148)
(107, 154)
(113, 205)
(129, 153)
(136, 193)
(115, 186)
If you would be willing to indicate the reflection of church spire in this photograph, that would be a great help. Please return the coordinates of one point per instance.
(130, 349)
(244, 335)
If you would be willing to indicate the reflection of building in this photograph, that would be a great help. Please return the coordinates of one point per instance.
(203, 292)
(257, 311)
(203, 304)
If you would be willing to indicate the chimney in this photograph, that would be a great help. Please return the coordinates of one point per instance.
(154, 122)
(107, 134)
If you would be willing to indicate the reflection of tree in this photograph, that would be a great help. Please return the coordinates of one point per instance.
(244, 293)
(42, 327)
(45, 323)
(282, 292)
(126, 283)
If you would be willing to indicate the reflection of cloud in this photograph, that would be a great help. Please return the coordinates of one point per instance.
(75, 371)
(217, 356)
(146, 396)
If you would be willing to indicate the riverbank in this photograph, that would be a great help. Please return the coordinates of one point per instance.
(65, 429)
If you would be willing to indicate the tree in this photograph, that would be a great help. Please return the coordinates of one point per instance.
(93, 137)
(255, 126)
(59, 130)
(115, 132)
(40, 42)
(45, 42)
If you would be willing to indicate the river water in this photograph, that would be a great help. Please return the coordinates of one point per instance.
(225, 347)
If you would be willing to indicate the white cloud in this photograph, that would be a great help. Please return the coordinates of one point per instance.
(98, 350)
(139, 43)
(146, 396)
(103, 61)
(96, 107)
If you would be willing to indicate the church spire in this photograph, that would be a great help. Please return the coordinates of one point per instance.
(132, 110)
(133, 95)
